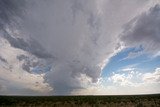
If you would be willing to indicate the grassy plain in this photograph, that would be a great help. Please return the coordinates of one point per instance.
(81, 101)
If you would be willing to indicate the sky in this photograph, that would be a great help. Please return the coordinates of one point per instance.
(79, 47)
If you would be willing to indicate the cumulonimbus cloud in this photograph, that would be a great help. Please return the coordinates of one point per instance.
(74, 38)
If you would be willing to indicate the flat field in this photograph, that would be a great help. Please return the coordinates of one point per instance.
(81, 101)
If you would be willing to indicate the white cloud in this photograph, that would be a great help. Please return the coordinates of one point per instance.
(152, 77)
(129, 83)
(13, 79)
(133, 55)
(127, 69)
(134, 77)
(120, 78)
(156, 55)
(130, 78)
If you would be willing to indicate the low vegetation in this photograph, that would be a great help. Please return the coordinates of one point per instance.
(81, 101)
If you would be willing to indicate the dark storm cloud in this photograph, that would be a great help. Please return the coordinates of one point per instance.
(31, 46)
(69, 30)
(144, 30)
(75, 37)
(10, 12)
(9, 9)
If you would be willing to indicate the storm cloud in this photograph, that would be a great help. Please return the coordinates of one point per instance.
(144, 30)
(70, 39)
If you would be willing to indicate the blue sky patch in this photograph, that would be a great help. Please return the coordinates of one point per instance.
(142, 62)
